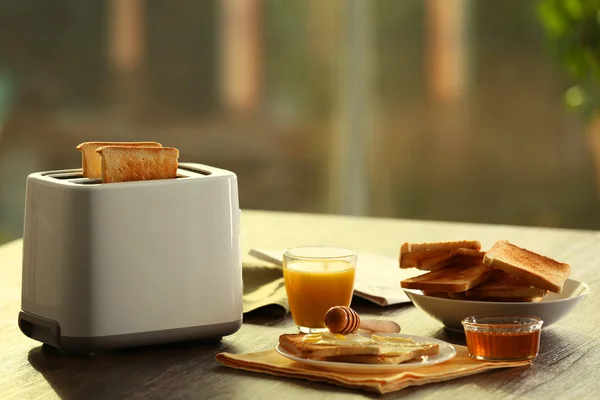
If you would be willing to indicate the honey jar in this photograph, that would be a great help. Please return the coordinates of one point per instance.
(503, 337)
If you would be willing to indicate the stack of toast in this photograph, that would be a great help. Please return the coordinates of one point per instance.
(461, 270)
(128, 161)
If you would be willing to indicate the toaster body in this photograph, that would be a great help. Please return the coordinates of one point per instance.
(133, 263)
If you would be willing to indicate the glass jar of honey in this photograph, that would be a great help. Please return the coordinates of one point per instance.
(503, 337)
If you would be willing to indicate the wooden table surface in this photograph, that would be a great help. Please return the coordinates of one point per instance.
(567, 366)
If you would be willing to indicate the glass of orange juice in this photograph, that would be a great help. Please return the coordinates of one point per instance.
(317, 278)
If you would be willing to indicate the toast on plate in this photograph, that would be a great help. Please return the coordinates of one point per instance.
(356, 348)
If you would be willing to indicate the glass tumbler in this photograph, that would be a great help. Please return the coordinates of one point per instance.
(317, 278)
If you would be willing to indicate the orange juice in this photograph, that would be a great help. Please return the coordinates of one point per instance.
(313, 287)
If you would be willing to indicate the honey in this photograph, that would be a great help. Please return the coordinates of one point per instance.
(506, 338)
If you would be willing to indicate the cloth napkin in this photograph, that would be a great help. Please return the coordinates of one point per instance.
(272, 363)
(264, 289)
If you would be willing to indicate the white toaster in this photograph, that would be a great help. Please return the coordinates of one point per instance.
(128, 264)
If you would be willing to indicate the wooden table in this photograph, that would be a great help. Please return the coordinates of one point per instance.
(567, 366)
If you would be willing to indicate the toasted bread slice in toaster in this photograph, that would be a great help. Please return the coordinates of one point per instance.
(91, 160)
(454, 278)
(126, 164)
(539, 270)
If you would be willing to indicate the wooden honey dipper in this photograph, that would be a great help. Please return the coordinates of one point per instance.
(344, 320)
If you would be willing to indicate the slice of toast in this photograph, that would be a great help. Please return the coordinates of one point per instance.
(127, 164)
(505, 285)
(383, 352)
(418, 259)
(464, 260)
(440, 246)
(293, 344)
(541, 271)
(91, 160)
(435, 255)
(426, 262)
(475, 253)
(454, 278)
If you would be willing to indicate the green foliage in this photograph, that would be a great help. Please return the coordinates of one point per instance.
(573, 30)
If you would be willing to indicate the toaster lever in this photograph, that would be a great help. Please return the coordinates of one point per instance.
(39, 328)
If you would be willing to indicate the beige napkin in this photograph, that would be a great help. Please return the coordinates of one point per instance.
(264, 288)
(270, 362)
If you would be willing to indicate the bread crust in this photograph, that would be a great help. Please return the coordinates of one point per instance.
(541, 271)
(91, 161)
(440, 246)
(127, 164)
(293, 344)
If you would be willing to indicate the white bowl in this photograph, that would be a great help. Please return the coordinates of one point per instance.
(451, 312)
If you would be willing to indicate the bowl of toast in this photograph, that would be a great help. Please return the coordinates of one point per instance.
(460, 280)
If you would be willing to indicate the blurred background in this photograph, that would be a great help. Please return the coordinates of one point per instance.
(425, 109)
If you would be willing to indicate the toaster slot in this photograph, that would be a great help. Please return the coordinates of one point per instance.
(194, 171)
(86, 181)
(65, 175)
(74, 177)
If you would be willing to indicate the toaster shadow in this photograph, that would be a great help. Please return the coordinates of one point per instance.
(125, 372)
(270, 315)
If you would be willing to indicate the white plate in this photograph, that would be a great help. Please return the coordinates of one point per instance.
(451, 312)
(446, 352)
